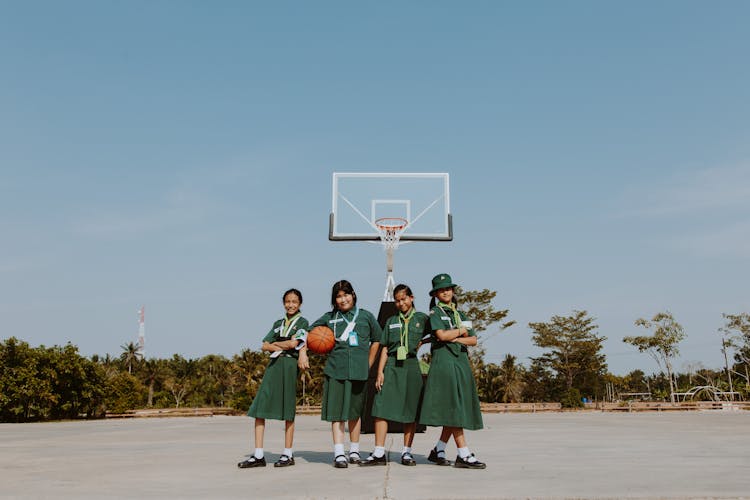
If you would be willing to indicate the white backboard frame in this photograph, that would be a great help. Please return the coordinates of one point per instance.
(431, 203)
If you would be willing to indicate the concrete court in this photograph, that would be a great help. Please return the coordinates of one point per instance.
(543, 455)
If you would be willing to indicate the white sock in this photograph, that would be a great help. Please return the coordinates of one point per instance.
(258, 453)
(338, 449)
(407, 449)
(466, 454)
(353, 448)
(288, 452)
(440, 447)
(379, 451)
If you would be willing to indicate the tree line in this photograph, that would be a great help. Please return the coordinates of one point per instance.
(49, 383)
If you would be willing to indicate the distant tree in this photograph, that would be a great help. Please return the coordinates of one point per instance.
(153, 371)
(477, 304)
(511, 376)
(574, 348)
(182, 378)
(123, 393)
(662, 344)
(248, 367)
(45, 383)
(131, 355)
(736, 335)
(539, 383)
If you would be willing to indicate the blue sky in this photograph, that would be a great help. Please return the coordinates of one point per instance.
(179, 155)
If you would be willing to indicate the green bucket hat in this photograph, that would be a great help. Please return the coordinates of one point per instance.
(441, 281)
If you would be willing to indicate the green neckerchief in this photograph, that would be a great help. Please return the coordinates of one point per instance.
(405, 329)
(288, 323)
(452, 307)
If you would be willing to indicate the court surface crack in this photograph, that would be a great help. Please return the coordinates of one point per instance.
(386, 482)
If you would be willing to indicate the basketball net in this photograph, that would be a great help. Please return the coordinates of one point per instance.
(390, 230)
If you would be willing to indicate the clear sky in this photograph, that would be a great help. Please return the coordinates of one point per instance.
(179, 155)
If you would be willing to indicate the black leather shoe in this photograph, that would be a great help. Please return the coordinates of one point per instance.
(407, 459)
(252, 462)
(340, 464)
(436, 459)
(373, 460)
(284, 461)
(354, 458)
(465, 464)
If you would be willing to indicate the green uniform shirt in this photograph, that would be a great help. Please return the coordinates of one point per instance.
(394, 327)
(278, 332)
(349, 358)
(443, 318)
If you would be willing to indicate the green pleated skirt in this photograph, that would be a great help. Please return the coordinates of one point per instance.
(450, 393)
(342, 399)
(398, 400)
(277, 396)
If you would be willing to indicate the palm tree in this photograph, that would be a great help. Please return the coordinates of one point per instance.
(153, 370)
(131, 354)
(512, 380)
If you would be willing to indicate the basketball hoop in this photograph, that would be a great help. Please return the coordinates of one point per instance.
(390, 229)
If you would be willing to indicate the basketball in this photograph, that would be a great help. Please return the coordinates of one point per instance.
(320, 340)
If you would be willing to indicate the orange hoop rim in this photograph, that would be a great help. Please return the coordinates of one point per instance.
(391, 223)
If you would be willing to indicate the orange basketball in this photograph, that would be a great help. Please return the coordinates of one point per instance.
(320, 340)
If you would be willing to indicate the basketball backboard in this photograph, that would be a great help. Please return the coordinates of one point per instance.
(360, 199)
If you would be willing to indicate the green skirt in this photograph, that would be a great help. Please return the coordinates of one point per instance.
(342, 399)
(277, 396)
(450, 393)
(398, 400)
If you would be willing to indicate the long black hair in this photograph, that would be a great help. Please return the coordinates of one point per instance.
(295, 292)
(403, 287)
(342, 286)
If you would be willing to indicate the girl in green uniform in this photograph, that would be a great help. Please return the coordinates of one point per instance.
(399, 380)
(450, 396)
(345, 375)
(277, 396)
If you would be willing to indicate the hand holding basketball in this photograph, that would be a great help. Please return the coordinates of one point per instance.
(320, 340)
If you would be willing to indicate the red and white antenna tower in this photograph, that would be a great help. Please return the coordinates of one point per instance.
(142, 330)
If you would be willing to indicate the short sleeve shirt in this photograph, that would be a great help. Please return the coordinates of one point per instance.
(349, 358)
(443, 318)
(280, 332)
(419, 324)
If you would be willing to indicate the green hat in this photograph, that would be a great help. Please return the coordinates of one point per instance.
(441, 281)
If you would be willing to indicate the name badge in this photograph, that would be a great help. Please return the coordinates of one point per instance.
(401, 353)
(353, 339)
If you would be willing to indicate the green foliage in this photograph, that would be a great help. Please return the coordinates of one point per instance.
(122, 393)
(477, 304)
(539, 383)
(736, 331)
(572, 399)
(574, 350)
(662, 345)
(47, 383)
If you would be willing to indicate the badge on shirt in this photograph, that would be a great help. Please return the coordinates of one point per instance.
(401, 353)
(353, 339)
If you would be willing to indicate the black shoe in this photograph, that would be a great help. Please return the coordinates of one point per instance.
(354, 459)
(373, 460)
(340, 464)
(407, 459)
(252, 462)
(465, 464)
(436, 459)
(284, 461)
